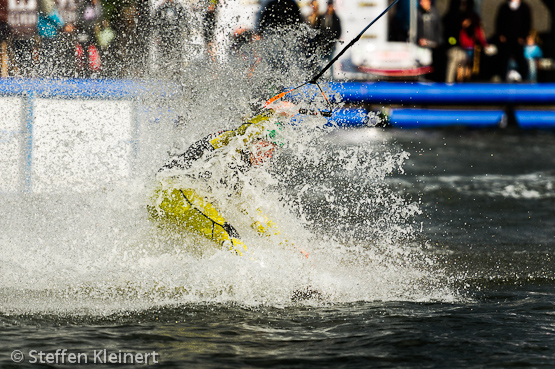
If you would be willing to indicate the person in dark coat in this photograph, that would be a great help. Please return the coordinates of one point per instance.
(330, 26)
(428, 30)
(277, 20)
(513, 24)
(549, 38)
(452, 22)
(209, 23)
(313, 48)
(429, 34)
(279, 14)
(170, 23)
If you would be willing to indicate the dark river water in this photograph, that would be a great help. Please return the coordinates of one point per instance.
(472, 284)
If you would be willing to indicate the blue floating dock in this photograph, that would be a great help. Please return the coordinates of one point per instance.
(535, 119)
(340, 118)
(414, 93)
(348, 118)
(407, 94)
(427, 118)
(85, 88)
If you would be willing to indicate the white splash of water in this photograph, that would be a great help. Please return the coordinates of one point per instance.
(97, 252)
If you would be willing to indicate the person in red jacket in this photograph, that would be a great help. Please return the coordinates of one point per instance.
(471, 36)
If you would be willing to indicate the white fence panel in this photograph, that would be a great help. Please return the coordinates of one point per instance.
(11, 143)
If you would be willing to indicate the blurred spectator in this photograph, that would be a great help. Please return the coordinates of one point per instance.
(48, 28)
(25, 56)
(22, 20)
(400, 22)
(532, 52)
(471, 39)
(142, 33)
(330, 26)
(278, 14)
(513, 24)
(452, 22)
(4, 41)
(313, 41)
(548, 39)
(170, 23)
(464, 35)
(241, 38)
(452, 25)
(66, 52)
(313, 19)
(276, 19)
(209, 26)
(105, 36)
(243, 47)
(127, 53)
(429, 31)
(89, 16)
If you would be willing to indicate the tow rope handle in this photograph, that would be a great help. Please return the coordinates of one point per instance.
(279, 96)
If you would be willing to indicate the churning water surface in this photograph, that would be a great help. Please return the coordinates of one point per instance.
(447, 264)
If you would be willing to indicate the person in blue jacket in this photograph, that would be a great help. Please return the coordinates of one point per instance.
(49, 25)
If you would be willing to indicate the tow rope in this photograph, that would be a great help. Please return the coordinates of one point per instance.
(314, 80)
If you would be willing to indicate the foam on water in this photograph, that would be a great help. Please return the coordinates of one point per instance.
(538, 185)
(96, 252)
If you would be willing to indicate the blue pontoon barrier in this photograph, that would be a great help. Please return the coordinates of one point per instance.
(339, 118)
(85, 88)
(407, 93)
(414, 93)
(127, 89)
(350, 92)
(348, 118)
(426, 118)
(535, 119)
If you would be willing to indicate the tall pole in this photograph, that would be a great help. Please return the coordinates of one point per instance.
(413, 21)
